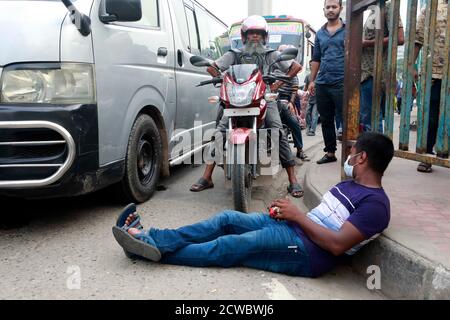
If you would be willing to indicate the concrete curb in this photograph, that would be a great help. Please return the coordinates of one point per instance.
(404, 273)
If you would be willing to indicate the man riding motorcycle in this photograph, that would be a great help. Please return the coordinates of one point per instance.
(255, 33)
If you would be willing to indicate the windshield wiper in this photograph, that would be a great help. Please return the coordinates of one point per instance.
(80, 20)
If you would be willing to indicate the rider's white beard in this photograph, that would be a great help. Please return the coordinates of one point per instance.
(254, 47)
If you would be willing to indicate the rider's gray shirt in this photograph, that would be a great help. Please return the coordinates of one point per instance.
(228, 59)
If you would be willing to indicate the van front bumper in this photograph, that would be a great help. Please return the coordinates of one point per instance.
(48, 150)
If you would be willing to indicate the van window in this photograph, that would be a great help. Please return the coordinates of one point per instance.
(180, 16)
(213, 35)
(193, 33)
(150, 15)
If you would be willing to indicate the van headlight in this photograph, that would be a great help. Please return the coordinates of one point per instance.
(69, 83)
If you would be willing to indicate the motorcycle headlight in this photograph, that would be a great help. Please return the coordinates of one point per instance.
(241, 96)
(72, 83)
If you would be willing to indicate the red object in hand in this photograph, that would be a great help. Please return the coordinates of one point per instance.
(274, 211)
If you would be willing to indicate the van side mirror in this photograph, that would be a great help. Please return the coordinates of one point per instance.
(288, 54)
(198, 61)
(120, 10)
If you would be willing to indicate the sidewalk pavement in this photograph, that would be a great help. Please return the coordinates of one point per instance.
(414, 253)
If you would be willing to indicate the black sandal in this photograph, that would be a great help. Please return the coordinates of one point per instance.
(327, 159)
(201, 185)
(425, 168)
(302, 156)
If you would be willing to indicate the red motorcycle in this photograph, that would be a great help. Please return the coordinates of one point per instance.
(244, 94)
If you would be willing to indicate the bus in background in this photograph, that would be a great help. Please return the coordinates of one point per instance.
(285, 30)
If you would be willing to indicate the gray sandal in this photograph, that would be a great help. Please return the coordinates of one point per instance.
(295, 190)
(141, 245)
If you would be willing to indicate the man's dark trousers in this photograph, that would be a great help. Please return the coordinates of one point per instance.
(329, 100)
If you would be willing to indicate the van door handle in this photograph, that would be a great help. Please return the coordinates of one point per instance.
(180, 57)
(163, 52)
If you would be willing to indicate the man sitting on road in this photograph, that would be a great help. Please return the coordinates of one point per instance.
(351, 214)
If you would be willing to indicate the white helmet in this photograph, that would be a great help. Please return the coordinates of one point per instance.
(254, 23)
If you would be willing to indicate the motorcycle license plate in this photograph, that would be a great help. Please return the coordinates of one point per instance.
(241, 112)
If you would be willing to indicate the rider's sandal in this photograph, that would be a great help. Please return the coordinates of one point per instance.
(201, 185)
(295, 190)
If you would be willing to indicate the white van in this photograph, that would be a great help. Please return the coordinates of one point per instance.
(99, 92)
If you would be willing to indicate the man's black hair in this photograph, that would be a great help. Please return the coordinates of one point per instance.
(340, 3)
(379, 149)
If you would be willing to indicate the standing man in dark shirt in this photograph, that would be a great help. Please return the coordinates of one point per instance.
(327, 75)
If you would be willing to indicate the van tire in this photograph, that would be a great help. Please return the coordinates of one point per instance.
(143, 161)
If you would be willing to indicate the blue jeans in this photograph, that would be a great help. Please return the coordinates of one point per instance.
(289, 120)
(366, 106)
(232, 239)
(312, 117)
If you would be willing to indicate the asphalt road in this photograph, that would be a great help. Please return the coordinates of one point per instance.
(64, 249)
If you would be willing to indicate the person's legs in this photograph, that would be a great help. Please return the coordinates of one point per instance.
(433, 123)
(205, 182)
(337, 95)
(288, 119)
(273, 122)
(308, 117)
(326, 108)
(399, 105)
(366, 104)
(314, 118)
(274, 248)
(224, 223)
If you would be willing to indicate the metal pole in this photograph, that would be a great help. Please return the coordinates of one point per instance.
(391, 82)
(444, 120)
(352, 79)
(426, 76)
(408, 74)
(378, 69)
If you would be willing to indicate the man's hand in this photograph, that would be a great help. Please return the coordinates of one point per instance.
(288, 210)
(275, 86)
(312, 89)
(292, 109)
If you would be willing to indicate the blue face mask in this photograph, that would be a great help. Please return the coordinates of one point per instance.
(349, 169)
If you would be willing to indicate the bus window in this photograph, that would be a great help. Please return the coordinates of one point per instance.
(280, 32)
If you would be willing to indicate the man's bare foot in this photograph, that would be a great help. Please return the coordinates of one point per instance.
(138, 228)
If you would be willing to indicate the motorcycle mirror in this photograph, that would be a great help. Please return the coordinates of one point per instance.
(288, 54)
(200, 61)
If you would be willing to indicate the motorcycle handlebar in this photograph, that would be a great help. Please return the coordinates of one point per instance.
(212, 81)
(270, 79)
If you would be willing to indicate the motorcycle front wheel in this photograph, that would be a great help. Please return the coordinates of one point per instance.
(241, 180)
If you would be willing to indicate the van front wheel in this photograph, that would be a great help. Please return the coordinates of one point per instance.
(143, 162)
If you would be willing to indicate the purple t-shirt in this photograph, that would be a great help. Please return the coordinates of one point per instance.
(368, 209)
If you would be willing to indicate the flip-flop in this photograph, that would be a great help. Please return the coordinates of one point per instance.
(424, 168)
(130, 209)
(142, 245)
(201, 185)
(120, 223)
(302, 156)
(295, 188)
